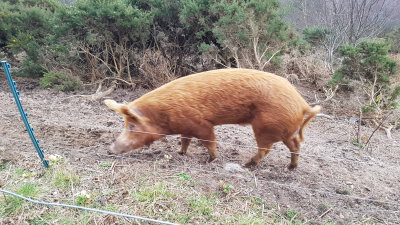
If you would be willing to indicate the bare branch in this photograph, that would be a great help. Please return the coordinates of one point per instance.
(383, 120)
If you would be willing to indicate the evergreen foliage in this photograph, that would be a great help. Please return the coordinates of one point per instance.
(60, 81)
(369, 63)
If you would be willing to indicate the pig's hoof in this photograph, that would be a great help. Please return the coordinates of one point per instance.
(110, 153)
(211, 160)
(292, 167)
(250, 164)
(181, 153)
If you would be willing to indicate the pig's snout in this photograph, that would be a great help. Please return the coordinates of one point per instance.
(110, 151)
(121, 145)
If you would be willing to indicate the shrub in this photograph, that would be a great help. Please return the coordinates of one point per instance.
(101, 20)
(25, 26)
(369, 63)
(30, 69)
(60, 81)
(315, 35)
(250, 32)
(393, 38)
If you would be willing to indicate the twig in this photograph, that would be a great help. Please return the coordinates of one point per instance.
(98, 94)
(324, 115)
(96, 57)
(112, 169)
(119, 79)
(326, 212)
(383, 120)
(359, 128)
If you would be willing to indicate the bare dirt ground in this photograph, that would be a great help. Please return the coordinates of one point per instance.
(335, 181)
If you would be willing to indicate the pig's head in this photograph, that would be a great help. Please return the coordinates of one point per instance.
(138, 129)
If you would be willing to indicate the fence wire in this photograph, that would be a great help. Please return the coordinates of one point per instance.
(319, 156)
(298, 188)
(85, 208)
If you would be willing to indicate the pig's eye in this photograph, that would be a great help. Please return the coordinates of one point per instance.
(131, 126)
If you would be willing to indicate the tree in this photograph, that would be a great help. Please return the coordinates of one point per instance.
(347, 21)
(249, 32)
(107, 33)
(368, 63)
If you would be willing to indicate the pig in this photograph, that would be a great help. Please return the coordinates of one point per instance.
(192, 105)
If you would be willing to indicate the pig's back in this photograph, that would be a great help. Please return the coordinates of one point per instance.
(226, 96)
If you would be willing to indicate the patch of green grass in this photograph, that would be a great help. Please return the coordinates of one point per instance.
(28, 190)
(82, 219)
(38, 221)
(110, 207)
(185, 176)
(203, 205)
(45, 219)
(356, 143)
(226, 188)
(20, 172)
(65, 180)
(11, 204)
(332, 223)
(3, 164)
(247, 219)
(150, 194)
(66, 221)
(82, 200)
(290, 214)
(105, 164)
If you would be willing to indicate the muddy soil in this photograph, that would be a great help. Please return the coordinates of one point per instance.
(335, 181)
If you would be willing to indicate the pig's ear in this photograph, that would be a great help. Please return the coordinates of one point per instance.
(117, 107)
(123, 110)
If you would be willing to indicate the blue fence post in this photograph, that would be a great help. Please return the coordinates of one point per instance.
(24, 115)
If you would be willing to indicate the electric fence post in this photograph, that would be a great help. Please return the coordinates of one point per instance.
(24, 115)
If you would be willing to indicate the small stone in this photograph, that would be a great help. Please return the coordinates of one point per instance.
(353, 120)
(233, 167)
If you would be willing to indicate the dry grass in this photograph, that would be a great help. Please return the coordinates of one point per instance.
(155, 69)
(310, 67)
(395, 79)
(184, 189)
(150, 191)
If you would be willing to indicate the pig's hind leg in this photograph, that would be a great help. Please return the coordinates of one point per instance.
(185, 141)
(265, 137)
(207, 137)
(293, 144)
(211, 146)
(263, 150)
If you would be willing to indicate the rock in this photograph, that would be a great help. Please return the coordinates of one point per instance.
(353, 120)
(233, 167)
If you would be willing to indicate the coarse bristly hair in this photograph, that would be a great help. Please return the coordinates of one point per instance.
(191, 106)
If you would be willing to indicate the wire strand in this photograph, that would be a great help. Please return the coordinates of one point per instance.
(85, 208)
(375, 162)
(339, 159)
(394, 203)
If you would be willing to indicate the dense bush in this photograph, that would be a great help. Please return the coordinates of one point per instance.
(368, 60)
(110, 38)
(25, 27)
(393, 38)
(315, 35)
(369, 63)
(61, 81)
(250, 32)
